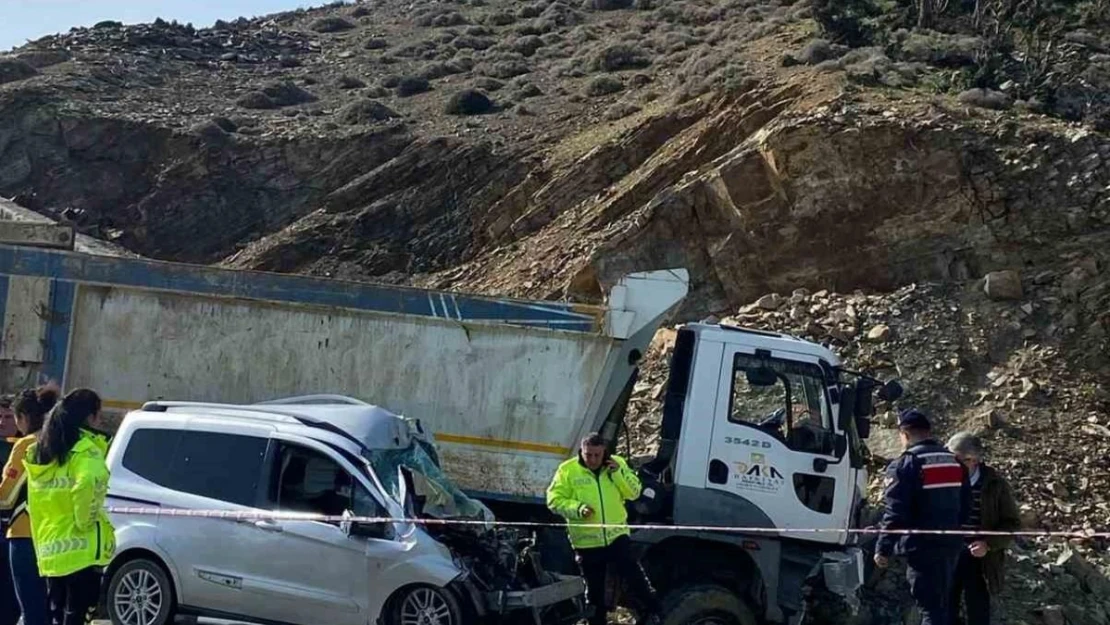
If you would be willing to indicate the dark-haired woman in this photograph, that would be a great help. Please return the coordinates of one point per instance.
(67, 481)
(30, 409)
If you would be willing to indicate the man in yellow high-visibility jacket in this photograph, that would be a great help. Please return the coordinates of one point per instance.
(590, 491)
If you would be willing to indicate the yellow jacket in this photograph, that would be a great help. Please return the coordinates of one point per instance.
(13, 489)
(69, 526)
(605, 492)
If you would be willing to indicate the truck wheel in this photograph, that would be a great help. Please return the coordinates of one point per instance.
(140, 593)
(705, 605)
(425, 605)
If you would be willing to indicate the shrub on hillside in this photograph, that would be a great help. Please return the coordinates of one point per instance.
(468, 102)
(256, 100)
(412, 85)
(526, 45)
(349, 82)
(488, 84)
(331, 24)
(619, 56)
(940, 49)
(365, 112)
(606, 5)
(621, 110)
(505, 69)
(846, 21)
(604, 85)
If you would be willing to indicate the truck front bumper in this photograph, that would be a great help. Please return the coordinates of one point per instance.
(540, 603)
(843, 573)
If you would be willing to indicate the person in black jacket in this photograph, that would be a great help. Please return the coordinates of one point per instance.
(926, 489)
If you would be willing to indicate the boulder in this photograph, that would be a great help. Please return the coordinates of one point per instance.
(1003, 285)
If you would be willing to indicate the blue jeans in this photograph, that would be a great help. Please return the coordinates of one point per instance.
(30, 588)
(9, 607)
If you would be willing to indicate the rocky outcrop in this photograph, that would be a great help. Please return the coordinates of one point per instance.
(414, 213)
(185, 195)
(846, 198)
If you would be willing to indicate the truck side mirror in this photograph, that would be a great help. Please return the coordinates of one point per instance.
(865, 406)
(846, 409)
(841, 446)
(761, 376)
(891, 391)
(863, 427)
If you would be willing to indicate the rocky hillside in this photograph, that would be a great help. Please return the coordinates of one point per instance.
(783, 151)
(543, 148)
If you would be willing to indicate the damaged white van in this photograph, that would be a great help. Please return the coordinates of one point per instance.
(323, 456)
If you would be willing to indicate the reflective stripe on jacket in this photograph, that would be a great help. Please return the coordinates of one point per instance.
(605, 492)
(70, 529)
(926, 488)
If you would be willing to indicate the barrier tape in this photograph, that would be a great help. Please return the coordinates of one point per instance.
(259, 515)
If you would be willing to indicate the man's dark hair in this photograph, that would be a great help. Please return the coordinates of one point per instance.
(593, 439)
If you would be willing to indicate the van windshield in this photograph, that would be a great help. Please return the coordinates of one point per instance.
(433, 493)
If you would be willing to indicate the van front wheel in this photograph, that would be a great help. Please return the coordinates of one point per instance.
(139, 593)
(425, 605)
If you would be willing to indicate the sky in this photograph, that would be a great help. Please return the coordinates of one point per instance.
(21, 20)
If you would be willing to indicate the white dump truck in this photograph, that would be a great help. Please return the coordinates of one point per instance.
(759, 430)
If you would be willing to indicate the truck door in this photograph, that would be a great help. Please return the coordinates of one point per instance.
(774, 441)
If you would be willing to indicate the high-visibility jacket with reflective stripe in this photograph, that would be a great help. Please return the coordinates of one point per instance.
(69, 527)
(604, 492)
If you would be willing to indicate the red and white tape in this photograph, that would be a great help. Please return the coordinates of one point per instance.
(253, 515)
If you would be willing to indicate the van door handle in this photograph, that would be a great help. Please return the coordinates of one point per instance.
(267, 525)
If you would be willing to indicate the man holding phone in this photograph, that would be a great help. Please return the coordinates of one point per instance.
(590, 492)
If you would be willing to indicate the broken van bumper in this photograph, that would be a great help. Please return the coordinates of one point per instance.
(566, 589)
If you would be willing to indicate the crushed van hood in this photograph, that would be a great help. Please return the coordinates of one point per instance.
(496, 558)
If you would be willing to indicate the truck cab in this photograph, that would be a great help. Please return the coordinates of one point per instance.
(762, 434)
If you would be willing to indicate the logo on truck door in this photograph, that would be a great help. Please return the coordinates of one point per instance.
(757, 475)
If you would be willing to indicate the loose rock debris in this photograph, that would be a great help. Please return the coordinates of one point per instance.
(1027, 373)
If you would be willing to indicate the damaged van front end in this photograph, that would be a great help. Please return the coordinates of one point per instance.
(501, 580)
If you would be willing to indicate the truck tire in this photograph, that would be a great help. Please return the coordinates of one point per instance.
(140, 593)
(706, 604)
(421, 604)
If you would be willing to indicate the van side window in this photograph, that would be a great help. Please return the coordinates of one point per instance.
(216, 465)
(306, 480)
(150, 453)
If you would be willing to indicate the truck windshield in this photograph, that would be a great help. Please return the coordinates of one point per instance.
(786, 399)
(433, 493)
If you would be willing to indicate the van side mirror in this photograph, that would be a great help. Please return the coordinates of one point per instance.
(761, 376)
(380, 530)
(841, 446)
